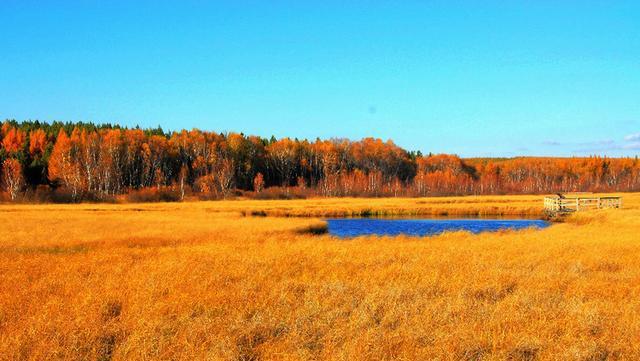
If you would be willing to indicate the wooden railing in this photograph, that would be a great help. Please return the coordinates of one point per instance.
(574, 204)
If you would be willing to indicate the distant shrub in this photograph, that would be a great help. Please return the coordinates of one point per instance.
(4, 197)
(145, 195)
(280, 193)
(40, 194)
(44, 194)
(62, 195)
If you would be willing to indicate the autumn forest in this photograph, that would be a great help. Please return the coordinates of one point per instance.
(72, 162)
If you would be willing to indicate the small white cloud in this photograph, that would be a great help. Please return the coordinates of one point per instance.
(632, 137)
(632, 145)
(601, 142)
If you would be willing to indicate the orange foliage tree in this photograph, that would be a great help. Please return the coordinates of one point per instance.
(12, 177)
(13, 141)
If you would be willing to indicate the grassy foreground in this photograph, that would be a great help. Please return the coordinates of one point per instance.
(202, 281)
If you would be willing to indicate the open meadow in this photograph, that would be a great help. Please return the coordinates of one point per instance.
(257, 280)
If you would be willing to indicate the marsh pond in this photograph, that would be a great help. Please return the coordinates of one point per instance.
(353, 227)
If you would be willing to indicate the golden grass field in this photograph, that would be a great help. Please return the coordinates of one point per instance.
(202, 281)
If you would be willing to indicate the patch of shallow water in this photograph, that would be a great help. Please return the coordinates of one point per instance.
(353, 227)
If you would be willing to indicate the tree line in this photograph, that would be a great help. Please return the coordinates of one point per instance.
(84, 161)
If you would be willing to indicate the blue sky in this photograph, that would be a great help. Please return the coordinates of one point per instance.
(497, 79)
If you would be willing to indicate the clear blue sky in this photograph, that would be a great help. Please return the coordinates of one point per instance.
(501, 79)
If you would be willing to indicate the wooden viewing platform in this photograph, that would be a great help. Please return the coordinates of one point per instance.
(562, 203)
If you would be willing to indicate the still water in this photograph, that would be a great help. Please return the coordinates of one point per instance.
(352, 227)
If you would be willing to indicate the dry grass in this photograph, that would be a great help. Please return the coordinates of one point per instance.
(201, 281)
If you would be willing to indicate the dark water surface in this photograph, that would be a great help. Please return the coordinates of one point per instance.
(352, 227)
